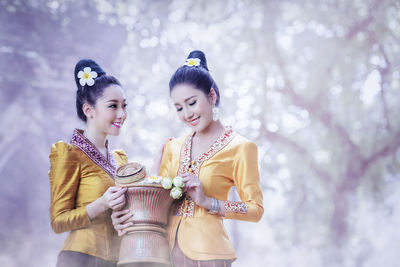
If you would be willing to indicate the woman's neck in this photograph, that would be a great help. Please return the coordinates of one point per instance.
(214, 129)
(96, 137)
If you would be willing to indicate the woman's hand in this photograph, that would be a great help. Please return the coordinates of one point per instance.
(114, 197)
(120, 220)
(194, 189)
(155, 169)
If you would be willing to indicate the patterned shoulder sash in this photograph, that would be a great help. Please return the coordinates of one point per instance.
(108, 163)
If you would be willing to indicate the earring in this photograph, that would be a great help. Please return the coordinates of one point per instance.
(215, 112)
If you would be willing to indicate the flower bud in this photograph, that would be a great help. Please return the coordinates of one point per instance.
(166, 182)
(178, 181)
(176, 192)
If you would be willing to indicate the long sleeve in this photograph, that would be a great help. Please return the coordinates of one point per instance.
(165, 160)
(64, 178)
(247, 182)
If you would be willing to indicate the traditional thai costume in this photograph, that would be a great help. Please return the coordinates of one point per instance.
(196, 237)
(79, 174)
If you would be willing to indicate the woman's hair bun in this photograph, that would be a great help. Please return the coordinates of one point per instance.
(195, 72)
(83, 63)
(200, 55)
(92, 86)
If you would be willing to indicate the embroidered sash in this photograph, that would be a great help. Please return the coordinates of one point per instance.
(108, 164)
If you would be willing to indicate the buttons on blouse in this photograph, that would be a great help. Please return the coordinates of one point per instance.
(191, 166)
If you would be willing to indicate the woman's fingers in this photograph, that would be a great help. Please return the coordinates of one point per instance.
(114, 196)
(113, 189)
(118, 207)
(118, 193)
(121, 232)
(118, 201)
(122, 226)
(187, 181)
(124, 217)
(189, 177)
(116, 214)
(188, 185)
(119, 217)
(191, 184)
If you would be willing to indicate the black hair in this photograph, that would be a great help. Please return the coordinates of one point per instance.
(197, 76)
(90, 94)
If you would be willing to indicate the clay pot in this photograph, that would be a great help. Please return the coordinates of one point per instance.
(145, 243)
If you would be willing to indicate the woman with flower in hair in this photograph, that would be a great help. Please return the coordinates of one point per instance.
(82, 172)
(211, 160)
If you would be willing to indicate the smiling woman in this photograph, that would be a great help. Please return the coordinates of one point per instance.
(211, 160)
(82, 172)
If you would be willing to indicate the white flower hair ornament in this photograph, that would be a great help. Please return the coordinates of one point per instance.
(87, 76)
(193, 62)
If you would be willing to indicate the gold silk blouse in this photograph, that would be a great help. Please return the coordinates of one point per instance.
(79, 174)
(231, 161)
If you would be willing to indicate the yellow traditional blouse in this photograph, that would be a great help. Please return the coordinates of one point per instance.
(79, 174)
(231, 161)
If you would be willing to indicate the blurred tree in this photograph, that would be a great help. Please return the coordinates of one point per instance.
(314, 83)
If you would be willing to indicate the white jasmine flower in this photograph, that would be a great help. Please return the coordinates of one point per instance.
(154, 179)
(166, 182)
(178, 181)
(176, 192)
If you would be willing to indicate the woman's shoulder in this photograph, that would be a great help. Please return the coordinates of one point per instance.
(62, 149)
(241, 140)
(176, 143)
(241, 143)
(120, 156)
(120, 152)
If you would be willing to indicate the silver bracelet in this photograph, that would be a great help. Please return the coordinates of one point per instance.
(214, 206)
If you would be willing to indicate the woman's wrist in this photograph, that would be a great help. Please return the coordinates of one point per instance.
(97, 207)
(206, 203)
(103, 203)
(221, 210)
(215, 206)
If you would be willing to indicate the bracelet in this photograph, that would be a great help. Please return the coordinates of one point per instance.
(214, 206)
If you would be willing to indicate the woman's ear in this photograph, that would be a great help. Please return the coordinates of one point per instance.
(213, 96)
(88, 110)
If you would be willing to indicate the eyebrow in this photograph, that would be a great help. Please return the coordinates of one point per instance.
(189, 98)
(114, 100)
(186, 99)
